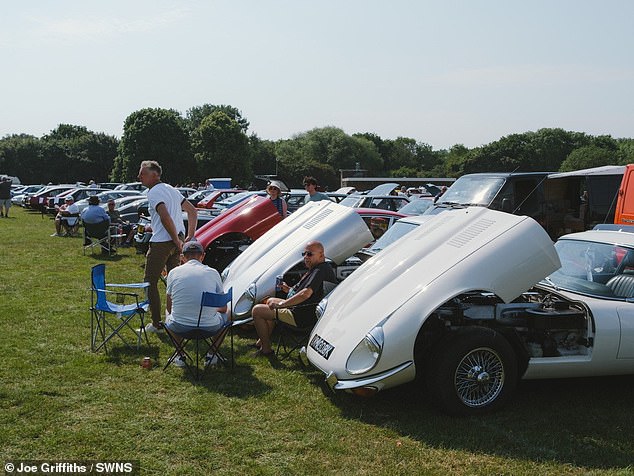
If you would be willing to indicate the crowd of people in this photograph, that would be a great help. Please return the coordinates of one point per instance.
(174, 250)
(171, 244)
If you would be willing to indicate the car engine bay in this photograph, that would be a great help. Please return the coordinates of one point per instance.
(546, 324)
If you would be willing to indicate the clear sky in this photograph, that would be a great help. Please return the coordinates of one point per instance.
(442, 72)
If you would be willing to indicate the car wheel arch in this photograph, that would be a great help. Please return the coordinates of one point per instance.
(442, 368)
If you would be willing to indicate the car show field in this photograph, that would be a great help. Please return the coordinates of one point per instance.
(60, 401)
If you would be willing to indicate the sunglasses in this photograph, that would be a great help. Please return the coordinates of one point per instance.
(307, 253)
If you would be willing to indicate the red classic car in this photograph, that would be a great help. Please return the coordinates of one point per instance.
(216, 196)
(230, 233)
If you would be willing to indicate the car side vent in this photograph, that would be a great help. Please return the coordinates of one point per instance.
(470, 233)
(317, 218)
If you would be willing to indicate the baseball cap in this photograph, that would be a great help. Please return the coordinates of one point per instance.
(193, 247)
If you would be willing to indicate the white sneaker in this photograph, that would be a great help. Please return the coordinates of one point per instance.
(152, 328)
(179, 361)
(213, 360)
(55, 234)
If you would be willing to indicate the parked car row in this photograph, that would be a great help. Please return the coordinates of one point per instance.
(466, 301)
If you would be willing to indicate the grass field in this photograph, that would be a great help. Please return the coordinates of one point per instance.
(60, 401)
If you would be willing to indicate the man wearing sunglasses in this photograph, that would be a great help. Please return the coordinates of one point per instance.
(298, 308)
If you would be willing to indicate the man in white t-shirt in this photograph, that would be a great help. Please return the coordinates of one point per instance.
(67, 216)
(185, 285)
(166, 205)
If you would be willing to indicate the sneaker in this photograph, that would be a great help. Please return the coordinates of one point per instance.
(179, 361)
(213, 359)
(152, 328)
(55, 234)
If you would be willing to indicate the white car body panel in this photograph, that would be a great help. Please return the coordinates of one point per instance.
(455, 252)
(340, 229)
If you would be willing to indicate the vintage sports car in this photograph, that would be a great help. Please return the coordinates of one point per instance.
(252, 274)
(475, 300)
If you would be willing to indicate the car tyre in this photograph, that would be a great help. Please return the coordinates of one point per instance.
(473, 372)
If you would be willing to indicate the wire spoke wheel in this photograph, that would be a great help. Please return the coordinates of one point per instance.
(479, 377)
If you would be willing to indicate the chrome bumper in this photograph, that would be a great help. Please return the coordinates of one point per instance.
(336, 384)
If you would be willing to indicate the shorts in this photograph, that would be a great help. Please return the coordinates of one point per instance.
(178, 328)
(286, 315)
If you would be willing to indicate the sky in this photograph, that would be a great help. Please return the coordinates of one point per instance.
(442, 72)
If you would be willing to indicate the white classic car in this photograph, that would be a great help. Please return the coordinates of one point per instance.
(454, 304)
(252, 274)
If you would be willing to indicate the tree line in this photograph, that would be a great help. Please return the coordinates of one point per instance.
(215, 141)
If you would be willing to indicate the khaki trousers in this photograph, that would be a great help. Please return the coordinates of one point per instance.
(161, 255)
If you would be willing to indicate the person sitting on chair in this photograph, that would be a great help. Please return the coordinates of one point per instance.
(126, 226)
(67, 217)
(94, 215)
(185, 285)
(306, 294)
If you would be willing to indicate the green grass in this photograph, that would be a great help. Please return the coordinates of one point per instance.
(59, 401)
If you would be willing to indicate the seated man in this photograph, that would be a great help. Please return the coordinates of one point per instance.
(185, 286)
(115, 219)
(306, 294)
(67, 217)
(95, 215)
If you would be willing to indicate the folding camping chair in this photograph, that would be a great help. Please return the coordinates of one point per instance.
(109, 319)
(101, 234)
(291, 338)
(211, 341)
(70, 224)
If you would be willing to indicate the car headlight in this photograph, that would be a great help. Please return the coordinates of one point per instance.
(225, 273)
(321, 308)
(251, 291)
(367, 353)
(244, 304)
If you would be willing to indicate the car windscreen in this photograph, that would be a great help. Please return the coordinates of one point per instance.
(350, 201)
(395, 232)
(416, 207)
(473, 190)
(593, 268)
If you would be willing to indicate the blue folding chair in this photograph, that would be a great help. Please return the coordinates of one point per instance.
(109, 319)
(197, 335)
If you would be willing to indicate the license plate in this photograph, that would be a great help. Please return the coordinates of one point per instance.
(322, 347)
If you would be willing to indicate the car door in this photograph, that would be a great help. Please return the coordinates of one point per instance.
(625, 312)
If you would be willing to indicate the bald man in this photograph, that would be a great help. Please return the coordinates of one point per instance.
(306, 294)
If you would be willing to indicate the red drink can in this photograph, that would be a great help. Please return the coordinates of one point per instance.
(147, 363)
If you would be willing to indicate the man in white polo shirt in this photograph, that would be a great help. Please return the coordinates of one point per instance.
(166, 205)
(185, 286)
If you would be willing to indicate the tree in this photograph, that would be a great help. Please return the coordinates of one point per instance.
(155, 134)
(73, 153)
(625, 151)
(21, 155)
(262, 153)
(588, 157)
(196, 114)
(221, 148)
(544, 150)
(328, 146)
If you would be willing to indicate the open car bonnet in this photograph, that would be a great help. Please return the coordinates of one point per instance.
(340, 229)
(251, 215)
(454, 252)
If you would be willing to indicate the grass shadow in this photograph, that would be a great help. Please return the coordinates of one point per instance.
(237, 382)
(541, 423)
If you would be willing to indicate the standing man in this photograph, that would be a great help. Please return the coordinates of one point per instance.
(310, 184)
(5, 196)
(165, 205)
